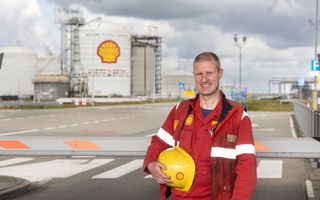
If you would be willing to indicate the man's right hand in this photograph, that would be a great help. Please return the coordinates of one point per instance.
(155, 170)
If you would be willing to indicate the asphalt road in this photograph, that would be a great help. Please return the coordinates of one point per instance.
(122, 177)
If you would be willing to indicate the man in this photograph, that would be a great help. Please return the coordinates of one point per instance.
(216, 132)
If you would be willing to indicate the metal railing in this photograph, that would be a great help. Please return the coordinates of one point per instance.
(308, 120)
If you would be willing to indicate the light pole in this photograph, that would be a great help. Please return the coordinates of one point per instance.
(235, 39)
(315, 92)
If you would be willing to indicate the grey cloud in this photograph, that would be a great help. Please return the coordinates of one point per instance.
(145, 9)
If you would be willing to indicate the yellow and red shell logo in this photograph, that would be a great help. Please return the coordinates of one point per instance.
(108, 51)
(179, 176)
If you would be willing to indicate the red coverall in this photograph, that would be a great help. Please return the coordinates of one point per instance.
(223, 151)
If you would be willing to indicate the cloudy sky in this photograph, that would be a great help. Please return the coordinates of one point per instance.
(280, 39)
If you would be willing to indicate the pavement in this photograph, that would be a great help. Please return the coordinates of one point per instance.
(11, 187)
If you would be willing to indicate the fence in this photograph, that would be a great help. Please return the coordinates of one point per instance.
(308, 119)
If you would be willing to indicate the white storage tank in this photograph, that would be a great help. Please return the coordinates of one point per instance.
(48, 63)
(105, 56)
(16, 72)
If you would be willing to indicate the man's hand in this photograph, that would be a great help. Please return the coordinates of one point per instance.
(155, 170)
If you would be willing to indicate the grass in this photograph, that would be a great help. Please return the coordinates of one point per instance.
(269, 105)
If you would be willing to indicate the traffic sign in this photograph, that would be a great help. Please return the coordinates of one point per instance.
(181, 85)
(315, 65)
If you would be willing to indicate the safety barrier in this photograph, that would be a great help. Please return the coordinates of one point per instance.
(137, 146)
(81, 102)
(308, 120)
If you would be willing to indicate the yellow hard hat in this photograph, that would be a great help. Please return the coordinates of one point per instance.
(180, 167)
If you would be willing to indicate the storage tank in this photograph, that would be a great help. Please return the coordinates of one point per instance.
(16, 72)
(48, 63)
(105, 56)
(143, 69)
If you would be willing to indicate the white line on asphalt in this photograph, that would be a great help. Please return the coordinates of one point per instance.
(255, 125)
(14, 161)
(19, 132)
(86, 123)
(121, 170)
(75, 124)
(5, 119)
(293, 131)
(48, 128)
(150, 135)
(62, 126)
(83, 156)
(265, 129)
(148, 176)
(269, 169)
(60, 168)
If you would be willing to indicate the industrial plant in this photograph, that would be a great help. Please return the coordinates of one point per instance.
(97, 59)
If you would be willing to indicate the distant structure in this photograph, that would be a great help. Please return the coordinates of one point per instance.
(146, 63)
(16, 72)
(103, 59)
(97, 59)
(171, 80)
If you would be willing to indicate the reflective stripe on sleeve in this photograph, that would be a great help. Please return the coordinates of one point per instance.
(223, 152)
(165, 136)
(232, 153)
(245, 149)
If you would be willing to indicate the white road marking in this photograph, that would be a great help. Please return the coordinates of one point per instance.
(86, 123)
(19, 132)
(148, 176)
(14, 161)
(293, 131)
(62, 126)
(255, 125)
(150, 135)
(121, 170)
(269, 169)
(45, 171)
(260, 115)
(264, 129)
(83, 156)
(48, 128)
(7, 119)
(75, 124)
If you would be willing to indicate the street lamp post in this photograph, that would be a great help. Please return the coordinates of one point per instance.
(235, 39)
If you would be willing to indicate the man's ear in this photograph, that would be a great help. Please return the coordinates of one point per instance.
(221, 73)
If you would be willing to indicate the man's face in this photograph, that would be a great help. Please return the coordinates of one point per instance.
(207, 77)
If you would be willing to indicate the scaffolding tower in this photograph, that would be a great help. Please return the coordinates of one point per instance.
(70, 20)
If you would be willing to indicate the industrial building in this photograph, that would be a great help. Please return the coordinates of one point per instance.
(98, 59)
(103, 59)
(171, 80)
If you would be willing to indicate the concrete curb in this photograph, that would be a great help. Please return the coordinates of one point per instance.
(11, 187)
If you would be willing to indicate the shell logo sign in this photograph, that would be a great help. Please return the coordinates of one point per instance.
(108, 51)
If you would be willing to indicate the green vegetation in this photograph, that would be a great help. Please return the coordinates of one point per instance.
(270, 105)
